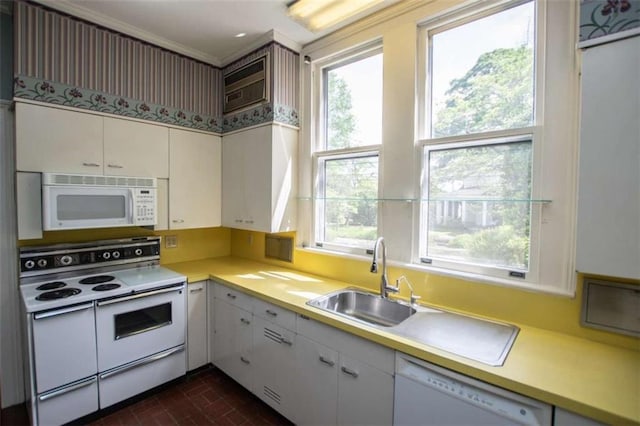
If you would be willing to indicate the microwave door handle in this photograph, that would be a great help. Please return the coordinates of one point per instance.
(131, 206)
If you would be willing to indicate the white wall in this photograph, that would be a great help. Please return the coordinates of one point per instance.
(11, 378)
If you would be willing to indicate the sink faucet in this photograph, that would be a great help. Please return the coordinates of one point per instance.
(385, 288)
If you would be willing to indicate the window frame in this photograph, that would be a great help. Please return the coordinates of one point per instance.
(426, 30)
(320, 153)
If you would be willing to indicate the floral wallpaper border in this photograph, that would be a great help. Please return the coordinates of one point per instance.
(261, 114)
(37, 89)
(599, 18)
(61, 94)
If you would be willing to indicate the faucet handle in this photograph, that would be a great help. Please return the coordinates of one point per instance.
(414, 298)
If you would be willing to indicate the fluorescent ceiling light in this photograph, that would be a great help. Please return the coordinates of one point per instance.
(320, 14)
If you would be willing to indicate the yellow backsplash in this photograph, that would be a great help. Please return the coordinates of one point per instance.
(543, 310)
(193, 244)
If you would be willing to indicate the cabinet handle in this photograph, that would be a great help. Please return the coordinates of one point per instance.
(272, 313)
(231, 296)
(115, 166)
(178, 221)
(238, 220)
(328, 362)
(195, 290)
(286, 341)
(243, 359)
(245, 321)
(248, 221)
(348, 371)
(91, 164)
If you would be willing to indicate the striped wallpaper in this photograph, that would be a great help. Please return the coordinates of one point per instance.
(60, 51)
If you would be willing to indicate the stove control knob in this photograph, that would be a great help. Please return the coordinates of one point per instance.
(42, 263)
(138, 252)
(106, 255)
(115, 254)
(66, 260)
(29, 264)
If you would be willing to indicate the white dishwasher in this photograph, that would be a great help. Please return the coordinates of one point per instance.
(426, 394)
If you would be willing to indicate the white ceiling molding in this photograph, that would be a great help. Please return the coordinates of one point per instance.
(107, 22)
(266, 38)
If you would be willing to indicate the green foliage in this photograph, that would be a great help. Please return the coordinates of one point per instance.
(500, 245)
(496, 93)
(341, 122)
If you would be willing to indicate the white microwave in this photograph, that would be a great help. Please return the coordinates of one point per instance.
(85, 201)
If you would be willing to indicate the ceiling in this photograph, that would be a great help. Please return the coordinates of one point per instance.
(202, 29)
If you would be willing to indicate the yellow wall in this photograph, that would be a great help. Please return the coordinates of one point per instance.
(557, 313)
(193, 244)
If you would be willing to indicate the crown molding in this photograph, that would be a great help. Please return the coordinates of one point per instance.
(130, 30)
(266, 38)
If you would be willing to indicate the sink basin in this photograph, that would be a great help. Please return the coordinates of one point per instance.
(482, 340)
(365, 307)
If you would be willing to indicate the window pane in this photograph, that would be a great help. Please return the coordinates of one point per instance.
(465, 222)
(483, 75)
(350, 208)
(354, 104)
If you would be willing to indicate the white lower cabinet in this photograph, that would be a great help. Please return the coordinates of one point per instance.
(233, 341)
(317, 375)
(197, 325)
(273, 360)
(567, 418)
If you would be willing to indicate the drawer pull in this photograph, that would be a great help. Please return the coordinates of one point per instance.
(178, 221)
(286, 342)
(243, 359)
(196, 290)
(115, 166)
(231, 296)
(91, 164)
(326, 361)
(350, 372)
(245, 321)
(272, 313)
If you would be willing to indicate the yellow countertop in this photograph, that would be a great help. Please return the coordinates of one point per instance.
(590, 378)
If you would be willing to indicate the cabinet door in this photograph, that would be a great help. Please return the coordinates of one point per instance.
(57, 140)
(365, 394)
(316, 383)
(257, 185)
(608, 237)
(197, 325)
(273, 361)
(233, 181)
(132, 148)
(233, 341)
(195, 179)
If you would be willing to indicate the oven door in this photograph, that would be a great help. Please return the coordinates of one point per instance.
(133, 327)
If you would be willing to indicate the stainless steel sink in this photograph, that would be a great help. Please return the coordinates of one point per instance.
(482, 340)
(365, 307)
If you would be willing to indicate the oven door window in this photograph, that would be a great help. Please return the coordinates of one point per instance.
(142, 320)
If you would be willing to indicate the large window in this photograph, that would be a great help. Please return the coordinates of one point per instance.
(477, 212)
(347, 151)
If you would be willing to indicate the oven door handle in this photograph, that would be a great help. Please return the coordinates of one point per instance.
(141, 295)
(49, 314)
(141, 362)
(91, 380)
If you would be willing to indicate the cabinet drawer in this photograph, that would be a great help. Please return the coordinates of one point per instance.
(348, 344)
(277, 315)
(234, 297)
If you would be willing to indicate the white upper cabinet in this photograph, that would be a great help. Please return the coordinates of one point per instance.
(132, 148)
(259, 179)
(195, 179)
(56, 140)
(608, 239)
(63, 141)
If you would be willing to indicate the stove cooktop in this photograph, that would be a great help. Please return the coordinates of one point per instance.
(59, 292)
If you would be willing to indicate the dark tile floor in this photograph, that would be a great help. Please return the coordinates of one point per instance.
(208, 397)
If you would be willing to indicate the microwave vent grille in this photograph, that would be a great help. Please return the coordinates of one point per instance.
(91, 180)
